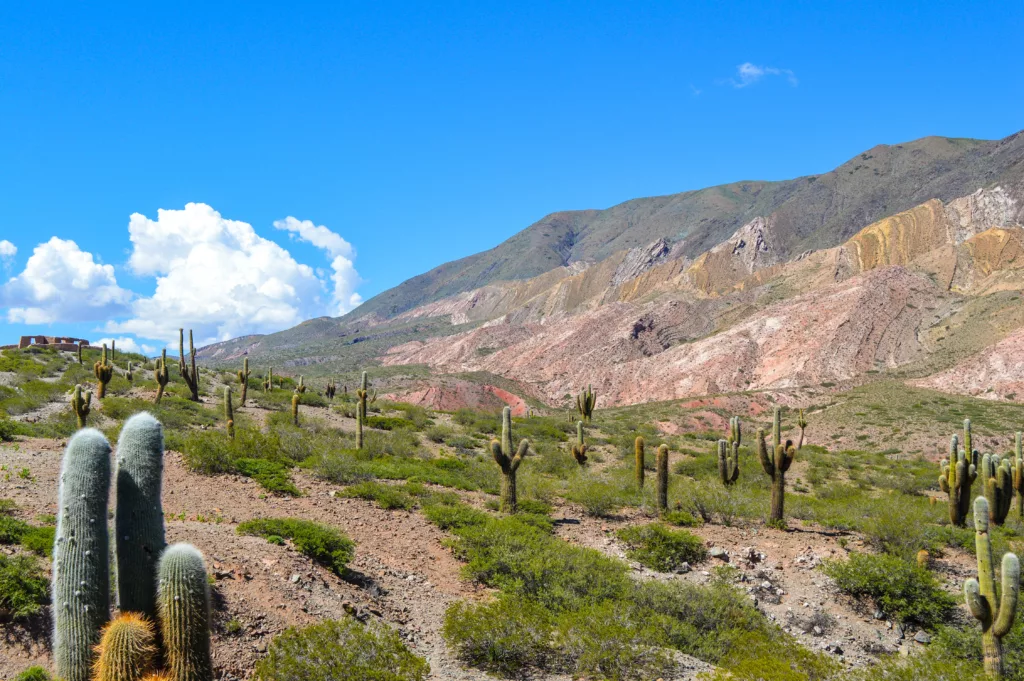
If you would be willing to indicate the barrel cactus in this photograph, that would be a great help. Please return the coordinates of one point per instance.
(508, 459)
(776, 462)
(81, 571)
(996, 616)
(957, 476)
(579, 450)
(183, 598)
(80, 404)
(127, 650)
(729, 454)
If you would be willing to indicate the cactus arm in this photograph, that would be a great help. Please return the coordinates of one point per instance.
(499, 456)
(1011, 590)
(776, 427)
(762, 454)
(976, 603)
(524, 448)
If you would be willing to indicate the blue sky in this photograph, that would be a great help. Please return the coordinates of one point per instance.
(385, 138)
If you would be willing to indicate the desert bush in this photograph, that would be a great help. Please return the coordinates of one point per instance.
(273, 476)
(341, 650)
(680, 519)
(504, 637)
(660, 548)
(387, 496)
(454, 516)
(323, 544)
(24, 588)
(39, 540)
(34, 674)
(901, 589)
(598, 498)
(389, 423)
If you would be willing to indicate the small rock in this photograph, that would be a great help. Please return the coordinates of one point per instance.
(719, 553)
(295, 579)
(923, 637)
(817, 631)
(683, 569)
(879, 615)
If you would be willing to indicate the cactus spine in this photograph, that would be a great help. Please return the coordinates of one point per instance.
(997, 485)
(189, 373)
(161, 375)
(996, 618)
(81, 573)
(957, 475)
(360, 410)
(776, 463)
(295, 408)
(585, 402)
(127, 650)
(139, 518)
(104, 372)
(80, 405)
(183, 597)
(579, 450)
(508, 459)
(243, 379)
(661, 464)
(729, 453)
(229, 412)
(638, 454)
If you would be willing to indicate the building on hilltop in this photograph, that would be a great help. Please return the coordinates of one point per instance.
(56, 342)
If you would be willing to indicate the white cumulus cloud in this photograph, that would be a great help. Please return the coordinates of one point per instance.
(220, 278)
(63, 283)
(345, 277)
(748, 74)
(7, 249)
(127, 344)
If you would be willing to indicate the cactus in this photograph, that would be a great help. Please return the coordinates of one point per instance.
(189, 373)
(161, 375)
(638, 454)
(1017, 468)
(331, 389)
(579, 450)
(229, 412)
(295, 408)
(268, 383)
(128, 373)
(139, 518)
(361, 410)
(996, 618)
(243, 379)
(997, 486)
(778, 462)
(104, 372)
(508, 459)
(585, 402)
(957, 475)
(661, 465)
(79, 353)
(729, 453)
(301, 387)
(80, 405)
(81, 573)
(127, 650)
(183, 598)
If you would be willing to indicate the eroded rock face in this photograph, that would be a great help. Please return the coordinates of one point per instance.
(995, 373)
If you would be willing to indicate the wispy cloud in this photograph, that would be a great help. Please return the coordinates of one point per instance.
(748, 73)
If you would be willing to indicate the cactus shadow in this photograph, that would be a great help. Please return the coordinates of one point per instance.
(363, 581)
(28, 633)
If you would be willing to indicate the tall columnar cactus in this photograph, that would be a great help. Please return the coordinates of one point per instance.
(1018, 474)
(79, 353)
(638, 462)
(128, 373)
(183, 597)
(301, 387)
(81, 572)
(957, 475)
(80, 405)
(268, 383)
(729, 453)
(104, 372)
(139, 518)
(113, 350)
(361, 394)
(585, 402)
(295, 408)
(661, 465)
(508, 459)
(229, 412)
(331, 389)
(161, 375)
(188, 371)
(243, 379)
(997, 485)
(127, 650)
(776, 462)
(579, 450)
(996, 617)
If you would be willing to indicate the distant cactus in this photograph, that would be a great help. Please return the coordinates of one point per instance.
(268, 382)
(183, 597)
(997, 486)
(778, 461)
(661, 466)
(729, 453)
(80, 404)
(161, 375)
(638, 455)
(128, 373)
(585, 402)
(331, 389)
(229, 412)
(301, 387)
(188, 371)
(81, 572)
(138, 517)
(508, 459)
(104, 372)
(996, 618)
(295, 408)
(957, 475)
(243, 379)
(361, 396)
(1018, 474)
(579, 450)
(127, 650)
(79, 353)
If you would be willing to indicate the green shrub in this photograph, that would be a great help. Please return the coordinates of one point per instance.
(341, 650)
(599, 499)
(24, 588)
(273, 476)
(680, 519)
(901, 589)
(504, 637)
(8, 429)
(12, 529)
(325, 545)
(660, 548)
(387, 496)
(389, 423)
(449, 517)
(39, 540)
(34, 674)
